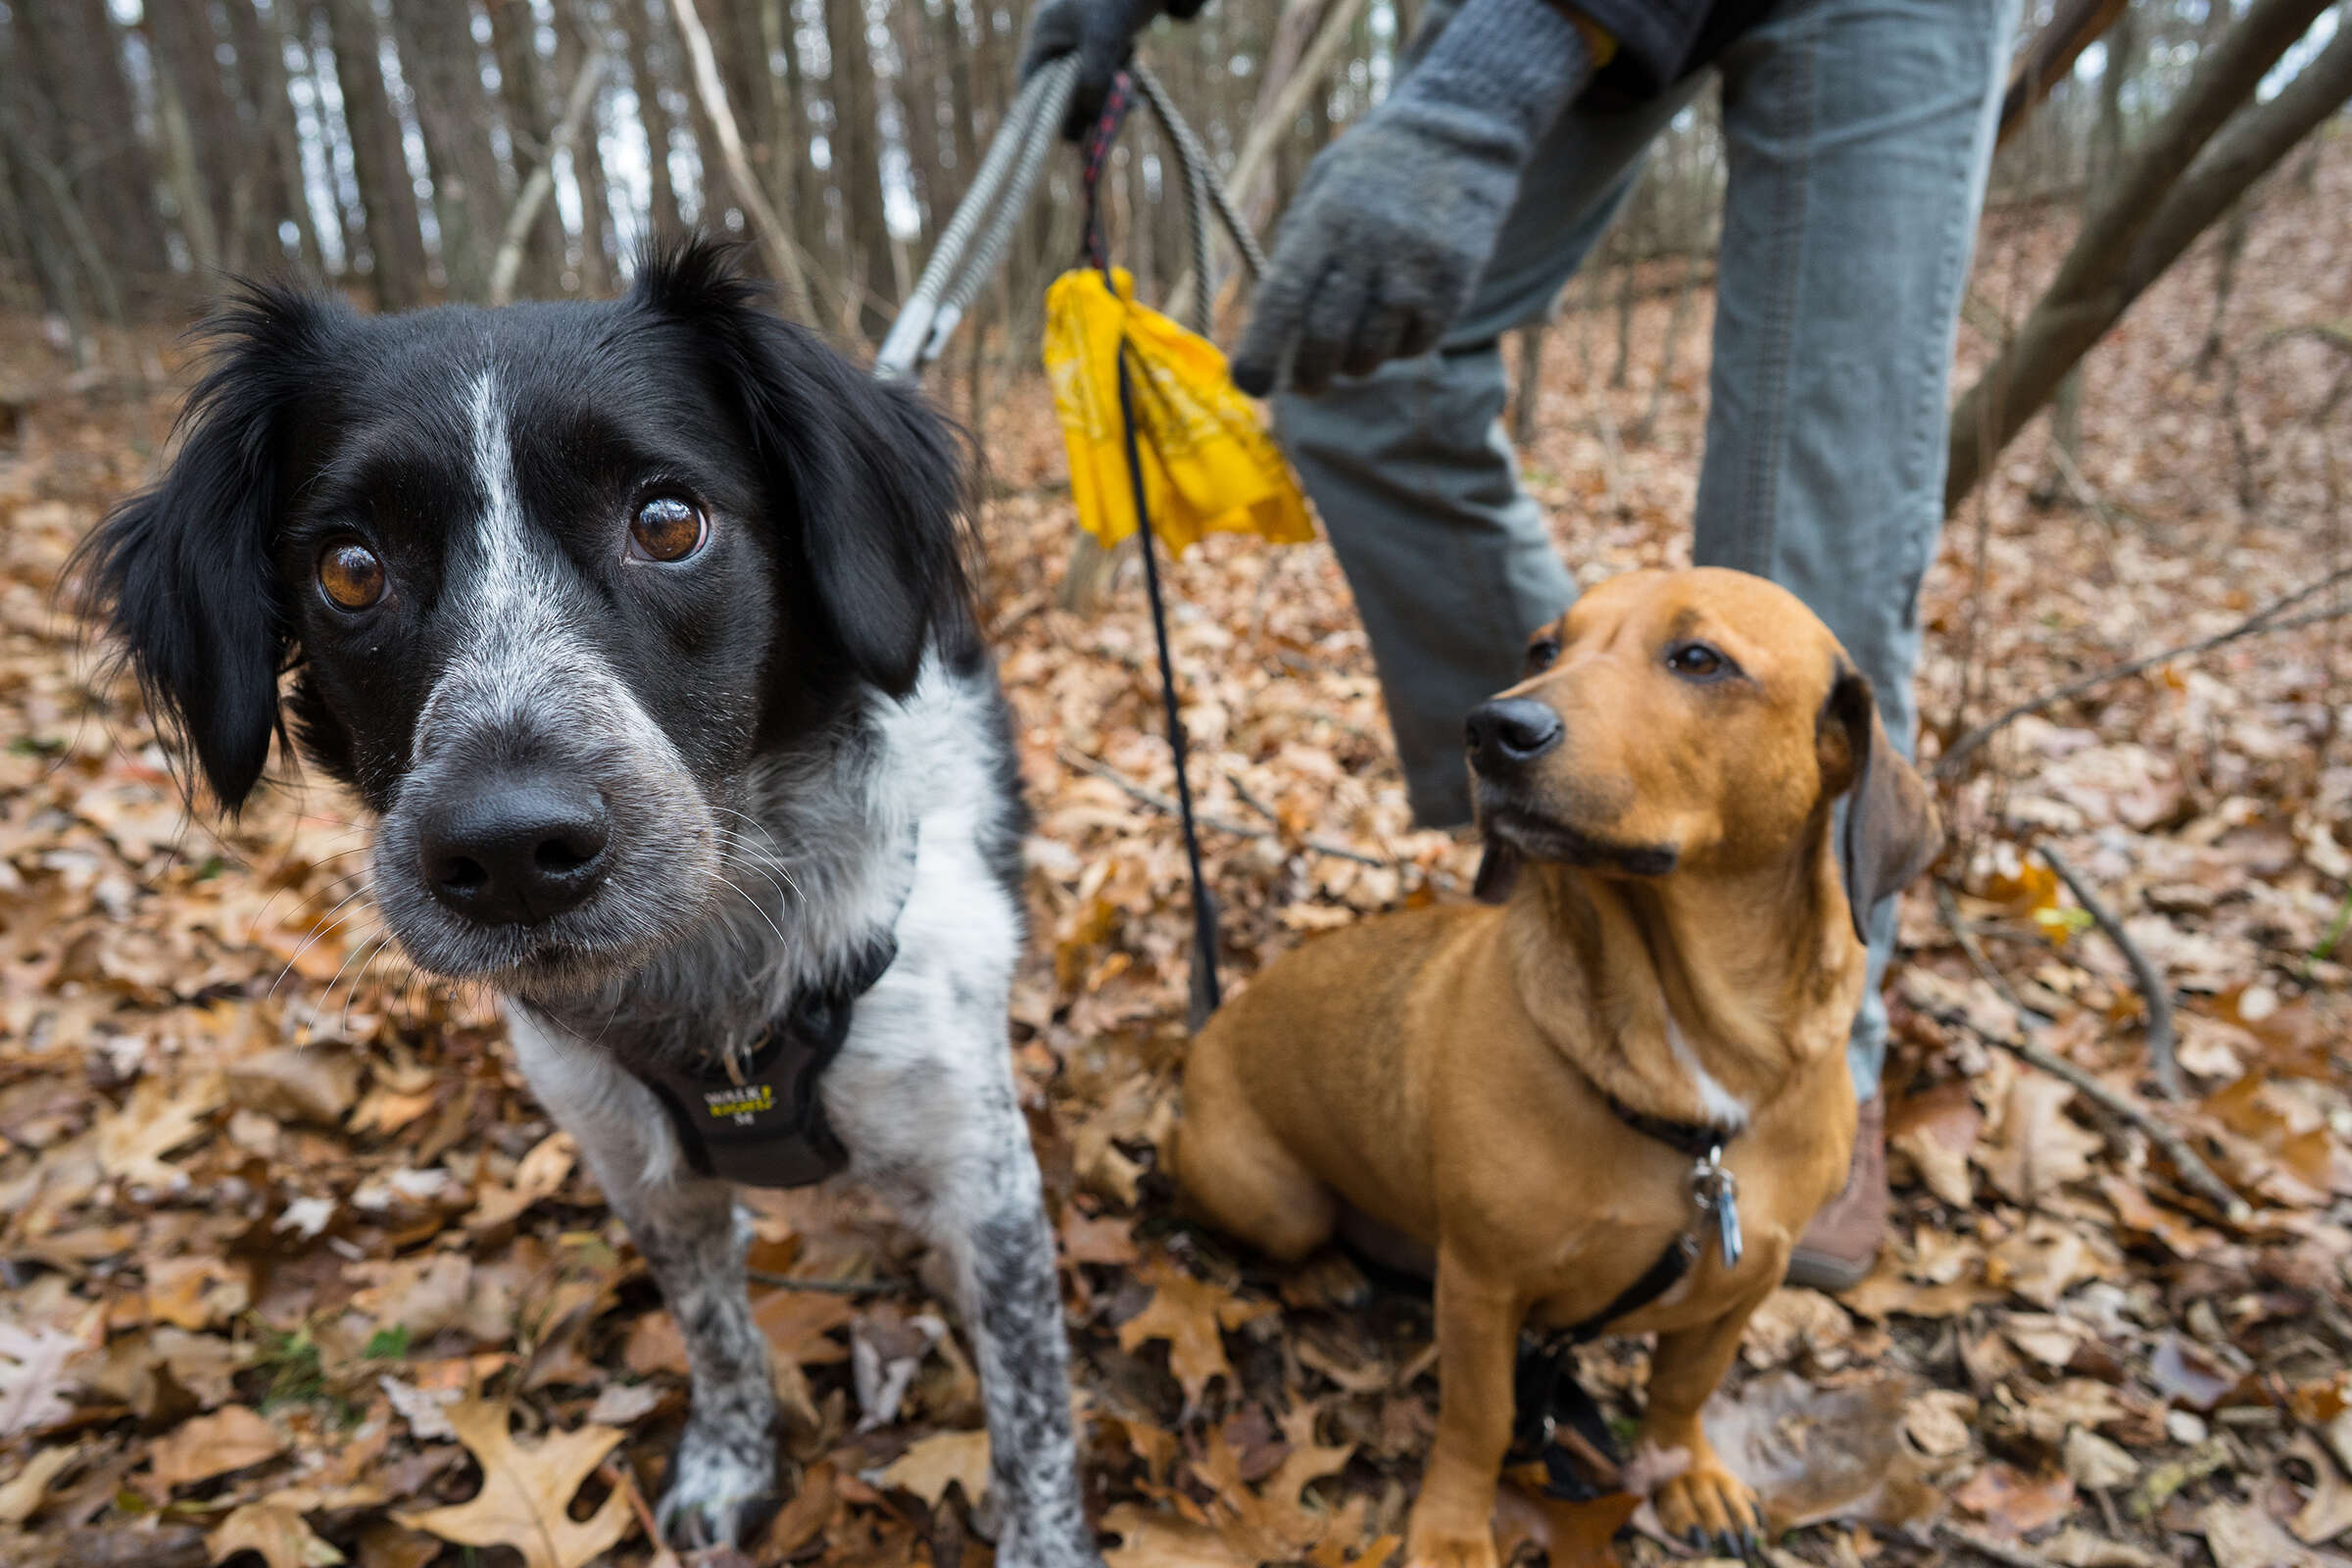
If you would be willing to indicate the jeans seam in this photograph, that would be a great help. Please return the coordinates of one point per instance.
(1788, 265)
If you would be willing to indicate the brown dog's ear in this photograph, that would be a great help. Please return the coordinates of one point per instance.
(1890, 827)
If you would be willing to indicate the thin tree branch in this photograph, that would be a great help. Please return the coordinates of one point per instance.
(542, 183)
(2053, 53)
(2162, 1059)
(1241, 830)
(2192, 1170)
(2263, 620)
(783, 255)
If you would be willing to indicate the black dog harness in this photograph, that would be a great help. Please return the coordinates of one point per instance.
(1558, 1422)
(755, 1119)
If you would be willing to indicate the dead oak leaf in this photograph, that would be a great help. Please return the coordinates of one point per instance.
(231, 1438)
(281, 1536)
(32, 1376)
(527, 1487)
(930, 1465)
(2040, 1148)
(1190, 1315)
(2242, 1536)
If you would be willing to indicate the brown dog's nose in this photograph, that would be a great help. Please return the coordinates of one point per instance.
(1510, 732)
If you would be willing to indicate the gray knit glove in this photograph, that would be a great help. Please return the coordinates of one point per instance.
(1101, 34)
(1394, 223)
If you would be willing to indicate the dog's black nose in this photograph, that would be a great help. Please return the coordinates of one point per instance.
(1510, 732)
(517, 851)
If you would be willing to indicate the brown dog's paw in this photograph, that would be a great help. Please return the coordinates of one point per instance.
(1711, 1508)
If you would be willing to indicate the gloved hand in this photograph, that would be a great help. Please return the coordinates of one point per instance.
(1102, 33)
(1395, 221)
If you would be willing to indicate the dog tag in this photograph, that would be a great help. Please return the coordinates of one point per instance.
(1726, 1220)
(1716, 1190)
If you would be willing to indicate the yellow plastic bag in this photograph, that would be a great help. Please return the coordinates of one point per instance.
(1207, 466)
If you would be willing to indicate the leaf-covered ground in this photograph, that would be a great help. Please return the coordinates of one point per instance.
(291, 1264)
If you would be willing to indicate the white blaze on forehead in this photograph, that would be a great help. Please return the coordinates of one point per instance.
(501, 552)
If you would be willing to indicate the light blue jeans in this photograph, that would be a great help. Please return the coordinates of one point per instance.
(1859, 133)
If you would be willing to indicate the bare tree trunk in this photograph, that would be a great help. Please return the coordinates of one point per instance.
(260, 46)
(185, 50)
(444, 68)
(857, 147)
(78, 115)
(637, 26)
(586, 149)
(578, 109)
(2160, 200)
(530, 125)
(395, 239)
(775, 243)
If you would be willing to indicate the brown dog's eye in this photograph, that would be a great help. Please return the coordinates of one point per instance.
(667, 528)
(1543, 654)
(351, 576)
(1698, 661)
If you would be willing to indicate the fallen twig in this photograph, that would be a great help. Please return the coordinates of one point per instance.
(2193, 1171)
(828, 1286)
(1167, 807)
(2162, 1060)
(1999, 1552)
(2264, 619)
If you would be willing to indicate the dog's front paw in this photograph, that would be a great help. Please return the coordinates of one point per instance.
(1711, 1508)
(722, 1488)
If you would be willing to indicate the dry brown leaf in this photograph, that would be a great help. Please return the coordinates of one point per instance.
(34, 1377)
(2096, 1465)
(1814, 1452)
(1188, 1314)
(1936, 1131)
(2013, 1503)
(230, 1439)
(1152, 1540)
(2326, 1512)
(314, 1084)
(930, 1465)
(1938, 1422)
(527, 1490)
(2039, 1149)
(2044, 1260)
(2242, 1536)
(22, 1496)
(281, 1536)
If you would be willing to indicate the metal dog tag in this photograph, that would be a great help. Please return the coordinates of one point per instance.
(1715, 1190)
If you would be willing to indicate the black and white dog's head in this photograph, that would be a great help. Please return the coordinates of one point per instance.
(549, 578)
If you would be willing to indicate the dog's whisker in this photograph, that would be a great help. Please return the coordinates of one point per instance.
(313, 939)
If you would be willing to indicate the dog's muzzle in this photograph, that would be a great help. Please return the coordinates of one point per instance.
(515, 848)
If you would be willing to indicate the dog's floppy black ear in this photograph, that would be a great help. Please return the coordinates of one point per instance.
(875, 476)
(1891, 828)
(182, 574)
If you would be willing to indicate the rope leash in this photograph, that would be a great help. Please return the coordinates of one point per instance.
(1206, 991)
(968, 253)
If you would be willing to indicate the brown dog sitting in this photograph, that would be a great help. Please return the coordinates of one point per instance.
(1538, 1094)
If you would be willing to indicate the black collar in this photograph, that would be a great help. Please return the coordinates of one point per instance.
(1693, 1140)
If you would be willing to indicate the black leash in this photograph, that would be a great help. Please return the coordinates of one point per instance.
(1206, 993)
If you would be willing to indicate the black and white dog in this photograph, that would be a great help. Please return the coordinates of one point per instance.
(643, 631)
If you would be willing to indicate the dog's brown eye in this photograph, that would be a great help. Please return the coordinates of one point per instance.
(1543, 654)
(667, 528)
(351, 576)
(1696, 661)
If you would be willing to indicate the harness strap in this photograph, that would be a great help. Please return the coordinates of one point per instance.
(757, 1121)
(1556, 1420)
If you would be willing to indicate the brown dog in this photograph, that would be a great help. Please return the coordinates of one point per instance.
(1531, 1092)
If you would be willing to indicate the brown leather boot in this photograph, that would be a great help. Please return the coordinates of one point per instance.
(1839, 1249)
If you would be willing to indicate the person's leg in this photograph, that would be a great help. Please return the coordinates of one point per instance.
(1451, 563)
(1859, 135)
